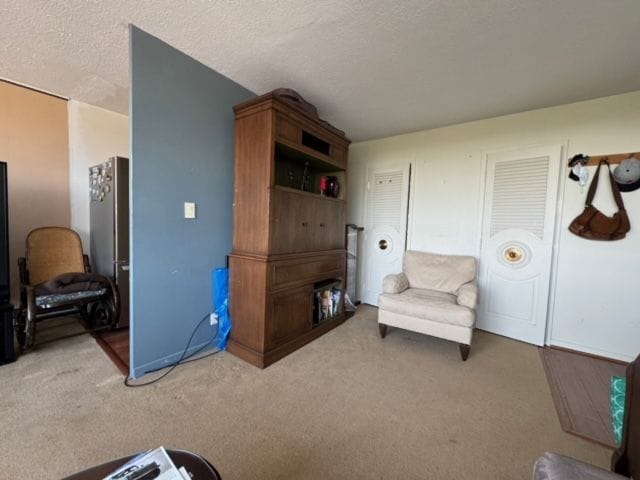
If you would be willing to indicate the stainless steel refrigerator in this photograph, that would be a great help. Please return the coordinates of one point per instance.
(109, 195)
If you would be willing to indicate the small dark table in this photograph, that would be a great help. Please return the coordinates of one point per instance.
(199, 467)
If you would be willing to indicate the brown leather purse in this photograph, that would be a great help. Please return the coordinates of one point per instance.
(595, 225)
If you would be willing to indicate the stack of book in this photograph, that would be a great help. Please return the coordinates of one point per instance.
(154, 464)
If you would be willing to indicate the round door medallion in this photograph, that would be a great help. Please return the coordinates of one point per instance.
(514, 254)
(383, 244)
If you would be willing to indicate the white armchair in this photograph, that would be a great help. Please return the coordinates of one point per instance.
(435, 295)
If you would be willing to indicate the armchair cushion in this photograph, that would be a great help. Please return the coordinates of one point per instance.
(428, 305)
(444, 273)
(551, 466)
(468, 295)
(395, 283)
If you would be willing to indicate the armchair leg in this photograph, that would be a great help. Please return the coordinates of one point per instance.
(383, 330)
(464, 351)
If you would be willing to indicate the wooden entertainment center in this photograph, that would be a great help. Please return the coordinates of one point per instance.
(289, 237)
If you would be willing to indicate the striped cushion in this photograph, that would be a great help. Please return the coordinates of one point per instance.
(618, 395)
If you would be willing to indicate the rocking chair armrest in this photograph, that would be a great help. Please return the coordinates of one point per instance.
(24, 273)
(30, 299)
(115, 293)
(87, 263)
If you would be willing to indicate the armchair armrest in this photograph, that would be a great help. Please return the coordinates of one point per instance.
(468, 295)
(551, 465)
(395, 283)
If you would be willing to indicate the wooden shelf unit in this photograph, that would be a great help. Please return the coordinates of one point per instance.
(613, 158)
(286, 240)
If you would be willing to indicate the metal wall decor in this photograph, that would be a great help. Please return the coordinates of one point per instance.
(100, 178)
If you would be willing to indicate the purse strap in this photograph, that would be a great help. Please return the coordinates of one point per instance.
(614, 186)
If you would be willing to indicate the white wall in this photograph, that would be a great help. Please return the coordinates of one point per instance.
(596, 307)
(95, 135)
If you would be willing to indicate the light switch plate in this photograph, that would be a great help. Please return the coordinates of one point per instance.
(189, 210)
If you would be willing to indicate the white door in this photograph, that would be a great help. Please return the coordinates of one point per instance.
(517, 242)
(385, 226)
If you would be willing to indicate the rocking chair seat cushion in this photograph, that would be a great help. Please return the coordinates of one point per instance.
(62, 299)
(70, 288)
(71, 283)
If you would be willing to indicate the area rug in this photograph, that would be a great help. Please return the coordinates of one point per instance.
(580, 387)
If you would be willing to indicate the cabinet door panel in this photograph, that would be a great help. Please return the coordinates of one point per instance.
(288, 229)
(291, 225)
(329, 225)
(290, 315)
(303, 223)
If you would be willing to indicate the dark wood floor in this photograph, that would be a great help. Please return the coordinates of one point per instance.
(581, 386)
(115, 344)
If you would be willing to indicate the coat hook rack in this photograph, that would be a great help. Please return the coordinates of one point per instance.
(613, 158)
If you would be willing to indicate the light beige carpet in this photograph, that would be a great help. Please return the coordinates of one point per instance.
(347, 406)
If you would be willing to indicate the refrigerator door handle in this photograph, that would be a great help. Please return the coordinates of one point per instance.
(123, 264)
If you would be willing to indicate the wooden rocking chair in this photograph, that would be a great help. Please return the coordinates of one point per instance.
(56, 280)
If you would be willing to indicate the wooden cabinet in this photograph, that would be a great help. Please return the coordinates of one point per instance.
(302, 223)
(288, 237)
(290, 315)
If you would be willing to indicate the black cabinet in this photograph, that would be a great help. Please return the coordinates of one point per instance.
(7, 352)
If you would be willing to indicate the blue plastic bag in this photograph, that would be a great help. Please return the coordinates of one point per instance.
(221, 305)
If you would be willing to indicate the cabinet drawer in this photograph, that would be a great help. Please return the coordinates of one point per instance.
(306, 269)
(291, 315)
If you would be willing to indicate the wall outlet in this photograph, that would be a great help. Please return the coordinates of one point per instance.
(189, 210)
(213, 319)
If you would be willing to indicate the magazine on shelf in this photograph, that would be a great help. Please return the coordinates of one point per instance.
(152, 465)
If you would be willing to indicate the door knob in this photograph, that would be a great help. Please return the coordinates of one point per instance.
(382, 244)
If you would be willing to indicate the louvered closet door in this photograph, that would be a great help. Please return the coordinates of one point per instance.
(517, 242)
(385, 226)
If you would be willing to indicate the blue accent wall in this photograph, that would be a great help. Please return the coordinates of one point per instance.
(182, 141)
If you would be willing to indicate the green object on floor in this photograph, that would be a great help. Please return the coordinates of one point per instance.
(618, 395)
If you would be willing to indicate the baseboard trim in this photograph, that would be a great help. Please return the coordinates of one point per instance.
(587, 354)
(586, 350)
(166, 361)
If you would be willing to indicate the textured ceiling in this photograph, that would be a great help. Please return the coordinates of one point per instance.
(374, 68)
